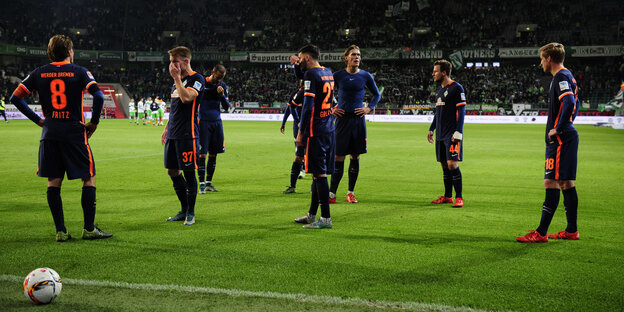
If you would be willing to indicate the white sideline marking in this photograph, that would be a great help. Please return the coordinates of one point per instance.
(96, 160)
(262, 294)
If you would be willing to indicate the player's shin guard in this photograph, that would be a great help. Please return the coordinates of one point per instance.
(336, 176)
(294, 173)
(201, 168)
(88, 207)
(448, 182)
(570, 202)
(354, 170)
(191, 190)
(179, 186)
(210, 168)
(322, 187)
(314, 201)
(548, 209)
(457, 182)
(56, 207)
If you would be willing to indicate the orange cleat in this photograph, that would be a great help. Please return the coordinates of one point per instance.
(564, 235)
(351, 198)
(443, 200)
(459, 202)
(532, 237)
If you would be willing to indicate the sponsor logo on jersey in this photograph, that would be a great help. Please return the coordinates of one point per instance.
(563, 85)
(445, 93)
(90, 75)
(197, 85)
(463, 96)
(439, 102)
(306, 85)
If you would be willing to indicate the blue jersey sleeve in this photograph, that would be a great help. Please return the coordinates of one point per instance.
(286, 114)
(225, 100)
(372, 87)
(309, 87)
(567, 100)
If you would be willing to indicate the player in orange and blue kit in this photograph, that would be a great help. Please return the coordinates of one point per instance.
(181, 134)
(562, 142)
(316, 132)
(448, 124)
(64, 147)
(295, 104)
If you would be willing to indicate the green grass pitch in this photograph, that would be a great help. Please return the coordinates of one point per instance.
(393, 246)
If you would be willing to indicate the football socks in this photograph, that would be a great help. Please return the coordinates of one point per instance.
(210, 168)
(314, 200)
(336, 176)
(322, 188)
(548, 209)
(570, 202)
(88, 207)
(56, 207)
(191, 190)
(354, 170)
(201, 168)
(457, 182)
(294, 173)
(179, 186)
(448, 182)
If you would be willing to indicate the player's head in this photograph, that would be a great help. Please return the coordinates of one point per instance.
(60, 47)
(181, 56)
(552, 53)
(441, 70)
(352, 56)
(217, 74)
(308, 55)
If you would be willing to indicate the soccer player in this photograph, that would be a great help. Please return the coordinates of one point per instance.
(562, 142)
(181, 134)
(141, 110)
(154, 109)
(316, 132)
(351, 83)
(161, 110)
(2, 110)
(297, 171)
(64, 146)
(448, 124)
(211, 136)
(132, 110)
(148, 110)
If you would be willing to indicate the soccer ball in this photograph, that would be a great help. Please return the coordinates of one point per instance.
(42, 285)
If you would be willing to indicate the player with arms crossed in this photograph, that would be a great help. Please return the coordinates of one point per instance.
(351, 83)
(64, 146)
(295, 103)
(181, 134)
(448, 124)
(562, 142)
(316, 132)
(211, 136)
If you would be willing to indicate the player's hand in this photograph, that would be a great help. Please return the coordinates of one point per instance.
(91, 127)
(282, 129)
(41, 122)
(220, 90)
(174, 70)
(362, 111)
(430, 136)
(163, 137)
(299, 140)
(294, 60)
(551, 134)
(339, 112)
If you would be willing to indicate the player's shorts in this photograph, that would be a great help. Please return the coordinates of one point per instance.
(561, 158)
(161, 112)
(319, 157)
(181, 154)
(211, 137)
(446, 150)
(141, 113)
(350, 135)
(148, 113)
(58, 157)
(133, 114)
(154, 114)
(299, 150)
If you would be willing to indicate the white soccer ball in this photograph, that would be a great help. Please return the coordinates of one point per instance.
(42, 285)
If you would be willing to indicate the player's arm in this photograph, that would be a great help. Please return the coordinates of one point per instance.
(17, 98)
(336, 109)
(294, 60)
(460, 107)
(567, 101)
(431, 130)
(372, 87)
(306, 115)
(225, 100)
(286, 114)
(187, 95)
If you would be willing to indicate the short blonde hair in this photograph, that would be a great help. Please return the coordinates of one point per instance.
(181, 51)
(59, 47)
(556, 51)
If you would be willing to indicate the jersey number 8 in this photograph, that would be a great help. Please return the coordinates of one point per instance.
(57, 88)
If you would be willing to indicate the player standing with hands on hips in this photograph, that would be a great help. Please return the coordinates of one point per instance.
(448, 124)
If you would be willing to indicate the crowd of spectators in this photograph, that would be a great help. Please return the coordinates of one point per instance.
(212, 25)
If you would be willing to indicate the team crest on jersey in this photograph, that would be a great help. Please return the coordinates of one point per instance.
(445, 93)
(197, 85)
(463, 96)
(563, 85)
(90, 75)
(306, 85)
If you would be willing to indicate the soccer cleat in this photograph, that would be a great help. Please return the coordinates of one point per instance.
(62, 237)
(332, 198)
(289, 190)
(533, 237)
(459, 202)
(443, 200)
(190, 219)
(321, 223)
(561, 235)
(301, 175)
(351, 198)
(307, 219)
(181, 216)
(202, 188)
(211, 188)
(95, 234)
